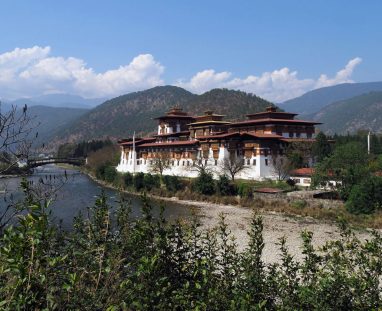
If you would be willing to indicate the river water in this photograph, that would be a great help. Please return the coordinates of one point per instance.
(75, 192)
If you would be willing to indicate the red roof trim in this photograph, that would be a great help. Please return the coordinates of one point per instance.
(269, 120)
(261, 135)
(304, 171)
(174, 143)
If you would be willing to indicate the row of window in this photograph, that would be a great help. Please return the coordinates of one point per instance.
(200, 162)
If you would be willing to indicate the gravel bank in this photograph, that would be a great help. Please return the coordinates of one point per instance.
(275, 226)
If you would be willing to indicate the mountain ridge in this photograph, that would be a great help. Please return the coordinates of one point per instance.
(120, 116)
(363, 112)
(315, 100)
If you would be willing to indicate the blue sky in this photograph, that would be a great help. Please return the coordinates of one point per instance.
(277, 49)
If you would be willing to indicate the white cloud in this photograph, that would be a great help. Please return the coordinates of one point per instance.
(32, 71)
(277, 86)
(342, 76)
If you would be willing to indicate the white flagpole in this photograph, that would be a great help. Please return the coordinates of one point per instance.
(134, 156)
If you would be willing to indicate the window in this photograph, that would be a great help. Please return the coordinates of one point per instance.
(298, 135)
(248, 162)
(216, 162)
(254, 162)
(290, 134)
(266, 162)
(172, 163)
(188, 163)
(178, 163)
(183, 163)
(309, 135)
(137, 162)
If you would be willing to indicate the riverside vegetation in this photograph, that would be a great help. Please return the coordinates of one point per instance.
(359, 185)
(112, 261)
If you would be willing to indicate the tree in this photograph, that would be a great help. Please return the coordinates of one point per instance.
(224, 186)
(232, 166)
(204, 183)
(321, 148)
(366, 197)
(281, 166)
(160, 163)
(16, 127)
(348, 166)
(299, 154)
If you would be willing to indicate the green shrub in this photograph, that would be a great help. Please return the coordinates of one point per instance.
(112, 260)
(128, 179)
(139, 181)
(151, 181)
(299, 204)
(366, 197)
(110, 174)
(245, 190)
(100, 172)
(224, 186)
(204, 184)
(172, 183)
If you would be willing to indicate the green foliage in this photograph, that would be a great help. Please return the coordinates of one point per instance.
(128, 179)
(110, 174)
(204, 183)
(172, 183)
(321, 148)
(139, 181)
(245, 190)
(365, 197)
(224, 186)
(151, 181)
(348, 166)
(299, 204)
(113, 261)
(82, 149)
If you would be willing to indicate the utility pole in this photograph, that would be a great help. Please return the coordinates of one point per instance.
(134, 154)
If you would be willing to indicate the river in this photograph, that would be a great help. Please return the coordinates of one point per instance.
(76, 191)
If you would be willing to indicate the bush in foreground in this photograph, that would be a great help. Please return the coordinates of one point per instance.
(113, 261)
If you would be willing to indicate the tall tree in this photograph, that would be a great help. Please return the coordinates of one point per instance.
(321, 148)
(160, 163)
(232, 166)
(347, 166)
(281, 166)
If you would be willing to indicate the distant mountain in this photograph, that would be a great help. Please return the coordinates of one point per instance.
(120, 116)
(362, 112)
(313, 101)
(58, 100)
(49, 121)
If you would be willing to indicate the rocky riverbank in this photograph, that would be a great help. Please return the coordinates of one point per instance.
(276, 225)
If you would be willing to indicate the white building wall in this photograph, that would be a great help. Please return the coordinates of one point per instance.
(260, 171)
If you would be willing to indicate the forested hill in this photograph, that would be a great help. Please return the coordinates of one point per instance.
(48, 121)
(313, 101)
(362, 112)
(120, 116)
